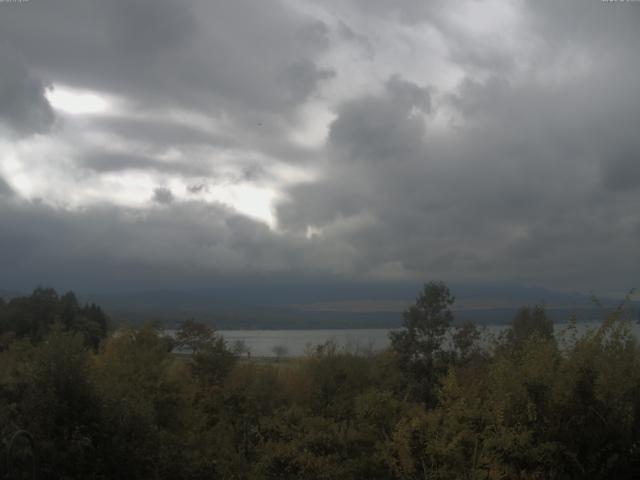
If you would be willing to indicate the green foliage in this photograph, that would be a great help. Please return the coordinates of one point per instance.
(529, 322)
(210, 359)
(418, 345)
(34, 316)
(424, 325)
(335, 379)
(532, 406)
(146, 397)
(194, 336)
(466, 341)
(47, 390)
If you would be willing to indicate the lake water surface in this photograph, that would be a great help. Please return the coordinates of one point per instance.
(262, 343)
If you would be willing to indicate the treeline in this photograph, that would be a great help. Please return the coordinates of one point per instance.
(34, 316)
(443, 402)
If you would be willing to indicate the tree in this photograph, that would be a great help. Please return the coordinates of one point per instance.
(529, 322)
(34, 317)
(59, 405)
(211, 360)
(466, 340)
(279, 351)
(145, 399)
(418, 345)
(240, 348)
(194, 335)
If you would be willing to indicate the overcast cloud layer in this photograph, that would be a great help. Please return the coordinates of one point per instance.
(150, 143)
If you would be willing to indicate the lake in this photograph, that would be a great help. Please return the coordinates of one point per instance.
(261, 343)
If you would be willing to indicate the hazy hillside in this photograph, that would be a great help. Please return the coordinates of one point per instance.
(333, 306)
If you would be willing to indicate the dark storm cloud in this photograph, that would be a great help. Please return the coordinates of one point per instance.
(160, 133)
(407, 11)
(104, 162)
(5, 189)
(67, 247)
(113, 162)
(180, 244)
(622, 172)
(525, 167)
(197, 188)
(519, 186)
(302, 78)
(163, 196)
(174, 69)
(139, 31)
(478, 96)
(363, 41)
(199, 55)
(379, 128)
(603, 25)
(319, 203)
(474, 54)
(373, 133)
(23, 105)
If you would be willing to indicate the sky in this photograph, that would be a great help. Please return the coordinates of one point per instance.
(180, 143)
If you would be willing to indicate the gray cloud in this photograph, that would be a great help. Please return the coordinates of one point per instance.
(23, 105)
(201, 55)
(5, 188)
(147, 29)
(380, 128)
(372, 136)
(180, 244)
(302, 78)
(217, 86)
(163, 196)
(345, 32)
(106, 161)
(197, 188)
(405, 11)
(512, 189)
(523, 167)
(160, 133)
(622, 172)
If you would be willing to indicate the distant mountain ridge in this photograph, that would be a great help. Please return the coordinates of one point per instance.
(9, 294)
(311, 306)
(317, 305)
